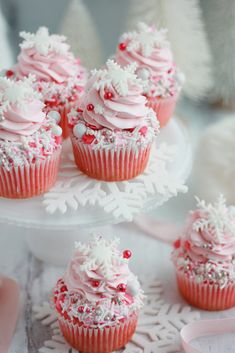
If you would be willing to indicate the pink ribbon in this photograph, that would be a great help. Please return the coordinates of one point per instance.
(9, 309)
(203, 328)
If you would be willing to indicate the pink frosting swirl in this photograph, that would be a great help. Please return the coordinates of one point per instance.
(121, 110)
(47, 57)
(82, 282)
(157, 58)
(53, 67)
(22, 111)
(203, 245)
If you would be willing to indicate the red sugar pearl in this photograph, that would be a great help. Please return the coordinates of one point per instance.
(81, 309)
(95, 284)
(177, 243)
(122, 46)
(108, 95)
(63, 289)
(90, 107)
(9, 73)
(88, 139)
(121, 287)
(126, 254)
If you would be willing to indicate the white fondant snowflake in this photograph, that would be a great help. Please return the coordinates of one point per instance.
(114, 76)
(216, 217)
(43, 42)
(100, 253)
(145, 39)
(17, 92)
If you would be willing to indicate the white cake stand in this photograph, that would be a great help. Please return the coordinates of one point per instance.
(77, 204)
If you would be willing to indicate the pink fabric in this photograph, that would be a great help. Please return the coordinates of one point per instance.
(203, 328)
(9, 309)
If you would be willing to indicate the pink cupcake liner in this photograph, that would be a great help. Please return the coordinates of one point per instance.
(163, 107)
(30, 180)
(98, 340)
(110, 165)
(206, 296)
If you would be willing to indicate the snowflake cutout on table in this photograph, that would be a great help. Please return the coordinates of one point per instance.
(114, 76)
(17, 93)
(43, 42)
(100, 253)
(121, 200)
(145, 39)
(217, 218)
(158, 326)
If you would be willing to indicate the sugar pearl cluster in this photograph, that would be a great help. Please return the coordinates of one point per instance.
(113, 139)
(161, 86)
(206, 272)
(30, 149)
(104, 312)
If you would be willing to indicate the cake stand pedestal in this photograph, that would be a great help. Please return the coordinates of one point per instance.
(78, 205)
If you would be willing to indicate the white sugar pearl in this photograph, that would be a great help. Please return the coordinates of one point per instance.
(79, 130)
(56, 130)
(143, 73)
(53, 114)
(133, 287)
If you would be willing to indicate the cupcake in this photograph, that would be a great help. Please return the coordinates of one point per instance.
(98, 299)
(204, 257)
(60, 76)
(30, 141)
(150, 50)
(112, 130)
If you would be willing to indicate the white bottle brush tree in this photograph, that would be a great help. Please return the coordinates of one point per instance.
(186, 33)
(6, 57)
(220, 25)
(78, 27)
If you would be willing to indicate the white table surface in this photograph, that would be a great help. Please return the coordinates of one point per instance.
(150, 257)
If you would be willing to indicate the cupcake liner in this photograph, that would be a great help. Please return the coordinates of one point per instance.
(206, 296)
(98, 340)
(64, 111)
(110, 164)
(30, 180)
(163, 107)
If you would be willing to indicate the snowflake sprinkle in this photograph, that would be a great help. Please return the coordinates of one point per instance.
(217, 218)
(17, 93)
(100, 253)
(43, 42)
(114, 76)
(145, 39)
